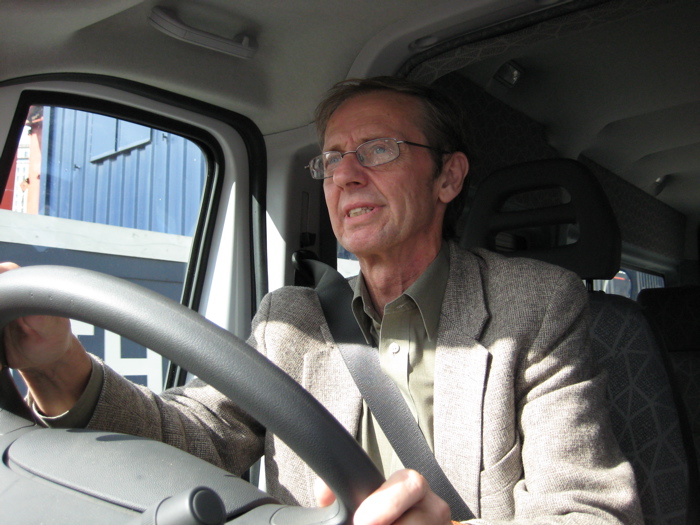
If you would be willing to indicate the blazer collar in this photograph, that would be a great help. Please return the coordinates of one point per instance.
(461, 370)
(464, 295)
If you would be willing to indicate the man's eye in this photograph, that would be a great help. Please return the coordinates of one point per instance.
(378, 150)
(332, 160)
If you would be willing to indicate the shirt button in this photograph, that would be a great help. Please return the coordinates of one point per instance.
(394, 348)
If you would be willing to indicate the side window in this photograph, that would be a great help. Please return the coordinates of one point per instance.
(629, 283)
(348, 265)
(107, 194)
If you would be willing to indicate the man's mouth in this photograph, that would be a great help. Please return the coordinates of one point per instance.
(359, 211)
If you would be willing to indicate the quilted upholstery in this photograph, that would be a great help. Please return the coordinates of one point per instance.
(643, 411)
(686, 367)
(675, 315)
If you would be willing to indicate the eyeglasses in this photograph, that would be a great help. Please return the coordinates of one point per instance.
(369, 154)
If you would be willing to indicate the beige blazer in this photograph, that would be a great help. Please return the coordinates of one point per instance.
(520, 421)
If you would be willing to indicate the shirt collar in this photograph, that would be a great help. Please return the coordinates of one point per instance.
(427, 293)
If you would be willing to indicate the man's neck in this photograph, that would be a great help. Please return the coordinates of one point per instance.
(388, 279)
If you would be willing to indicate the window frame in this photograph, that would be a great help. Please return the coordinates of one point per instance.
(44, 90)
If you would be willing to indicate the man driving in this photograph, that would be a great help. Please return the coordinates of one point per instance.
(490, 354)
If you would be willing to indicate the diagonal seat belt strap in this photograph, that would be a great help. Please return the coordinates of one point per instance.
(391, 411)
(379, 391)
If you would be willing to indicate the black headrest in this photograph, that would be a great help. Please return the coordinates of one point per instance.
(553, 210)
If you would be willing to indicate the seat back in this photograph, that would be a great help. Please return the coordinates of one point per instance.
(643, 409)
(674, 314)
(553, 210)
(578, 231)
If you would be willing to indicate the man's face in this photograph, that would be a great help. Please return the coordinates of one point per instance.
(392, 210)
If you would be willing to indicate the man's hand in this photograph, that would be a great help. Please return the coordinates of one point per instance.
(404, 499)
(35, 341)
(50, 358)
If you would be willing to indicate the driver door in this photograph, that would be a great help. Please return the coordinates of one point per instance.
(152, 192)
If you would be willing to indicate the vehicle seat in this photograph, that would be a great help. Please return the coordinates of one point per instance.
(556, 211)
(674, 314)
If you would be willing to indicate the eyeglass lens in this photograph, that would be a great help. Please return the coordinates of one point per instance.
(371, 153)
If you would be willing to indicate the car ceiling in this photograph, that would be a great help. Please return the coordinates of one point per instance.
(303, 46)
(623, 93)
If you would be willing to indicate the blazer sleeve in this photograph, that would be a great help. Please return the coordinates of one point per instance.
(573, 469)
(195, 418)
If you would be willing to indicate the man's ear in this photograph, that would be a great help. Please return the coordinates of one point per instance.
(454, 173)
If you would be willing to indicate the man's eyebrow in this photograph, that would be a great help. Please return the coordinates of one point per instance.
(360, 142)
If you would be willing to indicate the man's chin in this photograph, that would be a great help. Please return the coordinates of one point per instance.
(364, 248)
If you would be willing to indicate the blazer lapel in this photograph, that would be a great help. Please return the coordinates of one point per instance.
(461, 369)
(327, 378)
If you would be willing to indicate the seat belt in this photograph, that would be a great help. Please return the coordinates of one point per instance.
(381, 394)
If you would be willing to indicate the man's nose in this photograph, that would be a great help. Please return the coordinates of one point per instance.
(349, 171)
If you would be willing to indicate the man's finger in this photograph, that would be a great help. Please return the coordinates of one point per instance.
(324, 495)
(404, 498)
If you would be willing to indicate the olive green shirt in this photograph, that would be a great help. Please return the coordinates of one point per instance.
(406, 337)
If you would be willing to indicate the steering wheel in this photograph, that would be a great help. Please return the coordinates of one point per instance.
(35, 458)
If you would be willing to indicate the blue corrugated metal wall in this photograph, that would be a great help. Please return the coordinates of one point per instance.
(109, 171)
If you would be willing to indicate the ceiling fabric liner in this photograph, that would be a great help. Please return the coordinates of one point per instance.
(475, 47)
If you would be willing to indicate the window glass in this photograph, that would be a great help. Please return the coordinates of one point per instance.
(348, 265)
(629, 283)
(98, 192)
